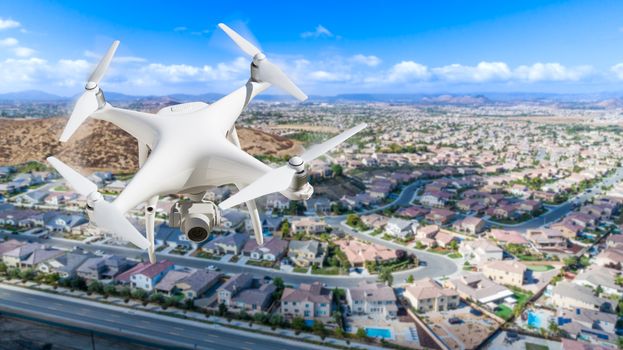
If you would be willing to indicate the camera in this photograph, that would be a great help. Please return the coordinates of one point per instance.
(195, 219)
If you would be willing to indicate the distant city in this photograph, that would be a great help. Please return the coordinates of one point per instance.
(452, 222)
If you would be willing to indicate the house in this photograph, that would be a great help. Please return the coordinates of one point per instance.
(375, 300)
(400, 228)
(568, 228)
(595, 276)
(309, 225)
(436, 199)
(240, 292)
(274, 248)
(318, 205)
(39, 256)
(173, 237)
(9, 245)
(412, 212)
(610, 257)
(571, 296)
(477, 287)
(470, 224)
(146, 275)
(507, 272)
(305, 253)
(547, 239)
(426, 295)
(14, 257)
(374, 221)
(167, 284)
(358, 253)
(590, 325)
(480, 251)
(197, 283)
(440, 216)
(105, 267)
(444, 239)
(308, 301)
(277, 201)
(508, 237)
(227, 244)
(426, 235)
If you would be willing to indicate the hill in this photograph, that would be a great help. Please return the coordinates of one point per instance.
(99, 145)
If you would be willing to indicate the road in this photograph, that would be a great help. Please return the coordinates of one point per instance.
(143, 326)
(557, 212)
(434, 267)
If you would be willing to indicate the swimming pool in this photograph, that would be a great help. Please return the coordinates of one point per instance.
(538, 319)
(384, 333)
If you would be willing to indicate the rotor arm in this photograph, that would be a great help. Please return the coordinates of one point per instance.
(142, 126)
(229, 107)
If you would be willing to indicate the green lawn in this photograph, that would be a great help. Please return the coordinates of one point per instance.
(301, 269)
(455, 255)
(329, 270)
(504, 312)
(261, 263)
(541, 268)
(532, 346)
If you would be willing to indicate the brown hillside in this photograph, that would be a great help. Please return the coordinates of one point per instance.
(99, 145)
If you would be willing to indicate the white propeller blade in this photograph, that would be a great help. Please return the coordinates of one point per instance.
(87, 104)
(266, 70)
(106, 214)
(278, 179)
(316, 151)
(269, 72)
(102, 67)
(109, 217)
(78, 182)
(243, 43)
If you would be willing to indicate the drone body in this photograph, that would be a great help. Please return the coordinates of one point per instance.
(189, 149)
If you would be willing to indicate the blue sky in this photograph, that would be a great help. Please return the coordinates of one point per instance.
(328, 47)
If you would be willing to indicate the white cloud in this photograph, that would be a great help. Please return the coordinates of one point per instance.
(8, 24)
(325, 76)
(617, 69)
(551, 72)
(180, 29)
(320, 31)
(8, 42)
(155, 73)
(484, 71)
(371, 60)
(407, 71)
(23, 51)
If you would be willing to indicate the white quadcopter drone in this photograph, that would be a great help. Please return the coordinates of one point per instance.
(188, 149)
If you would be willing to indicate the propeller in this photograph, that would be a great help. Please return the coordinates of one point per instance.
(279, 179)
(89, 102)
(262, 69)
(105, 214)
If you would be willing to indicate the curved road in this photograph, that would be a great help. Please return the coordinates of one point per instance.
(559, 211)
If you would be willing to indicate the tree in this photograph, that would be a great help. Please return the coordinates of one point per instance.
(454, 245)
(337, 170)
(139, 294)
(410, 279)
(157, 298)
(110, 289)
(278, 282)
(222, 309)
(319, 329)
(385, 276)
(95, 287)
(339, 320)
(599, 290)
(353, 220)
(298, 324)
(244, 315)
(285, 228)
(553, 327)
(125, 292)
(276, 320)
(3, 268)
(361, 334)
(27, 274)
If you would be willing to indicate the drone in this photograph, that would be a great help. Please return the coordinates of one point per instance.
(189, 149)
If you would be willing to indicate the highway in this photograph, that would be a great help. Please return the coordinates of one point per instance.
(169, 332)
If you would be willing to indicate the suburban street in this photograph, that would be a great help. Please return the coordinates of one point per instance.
(557, 212)
(148, 328)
